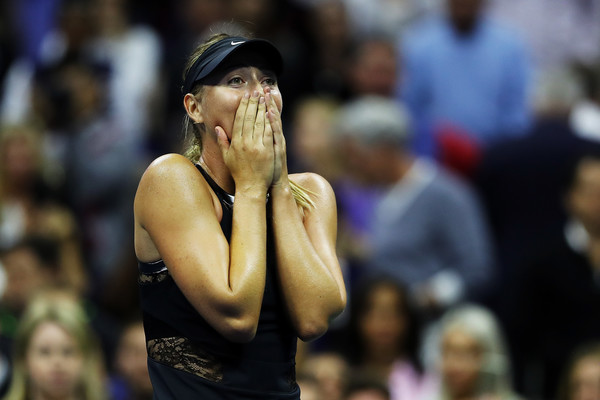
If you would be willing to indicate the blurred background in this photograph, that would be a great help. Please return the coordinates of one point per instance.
(461, 137)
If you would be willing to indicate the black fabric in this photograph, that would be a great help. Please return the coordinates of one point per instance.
(556, 307)
(220, 51)
(261, 369)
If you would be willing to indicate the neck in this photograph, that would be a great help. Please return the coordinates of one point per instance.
(402, 164)
(213, 164)
(381, 359)
(464, 27)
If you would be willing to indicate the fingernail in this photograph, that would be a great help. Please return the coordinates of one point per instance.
(261, 100)
(246, 95)
(255, 94)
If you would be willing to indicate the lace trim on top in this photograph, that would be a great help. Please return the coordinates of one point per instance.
(152, 272)
(180, 353)
(149, 279)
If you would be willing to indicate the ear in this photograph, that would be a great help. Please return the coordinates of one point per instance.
(193, 108)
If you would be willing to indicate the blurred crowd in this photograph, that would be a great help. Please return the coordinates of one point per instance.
(462, 140)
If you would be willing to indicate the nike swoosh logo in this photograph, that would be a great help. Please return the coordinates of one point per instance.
(236, 43)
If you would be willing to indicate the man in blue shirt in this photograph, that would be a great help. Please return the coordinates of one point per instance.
(427, 228)
(464, 71)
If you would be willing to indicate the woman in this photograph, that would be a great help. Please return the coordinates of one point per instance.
(581, 380)
(29, 204)
(474, 361)
(237, 259)
(56, 355)
(383, 338)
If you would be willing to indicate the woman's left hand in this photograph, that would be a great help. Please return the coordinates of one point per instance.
(280, 172)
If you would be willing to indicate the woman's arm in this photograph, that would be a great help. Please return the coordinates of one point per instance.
(309, 271)
(224, 282)
(175, 208)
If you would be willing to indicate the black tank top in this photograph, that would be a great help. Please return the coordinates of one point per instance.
(189, 359)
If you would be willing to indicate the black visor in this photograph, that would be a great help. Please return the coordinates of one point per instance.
(216, 54)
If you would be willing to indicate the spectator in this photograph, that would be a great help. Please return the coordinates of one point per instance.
(30, 204)
(329, 370)
(383, 339)
(465, 75)
(310, 388)
(372, 67)
(329, 33)
(557, 32)
(581, 380)
(29, 266)
(521, 184)
(56, 355)
(25, 269)
(428, 230)
(99, 192)
(363, 388)
(558, 294)
(313, 149)
(474, 360)
(132, 55)
(66, 38)
(312, 144)
(387, 17)
(132, 381)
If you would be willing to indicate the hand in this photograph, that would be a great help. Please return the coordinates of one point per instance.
(249, 155)
(280, 172)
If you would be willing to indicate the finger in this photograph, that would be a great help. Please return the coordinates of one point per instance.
(259, 123)
(250, 115)
(268, 135)
(275, 122)
(271, 105)
(238, 123)
(222, 139)
(274, 116)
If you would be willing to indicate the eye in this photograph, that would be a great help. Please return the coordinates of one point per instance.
(44, 351)
(69, 351)
(270, 81)
(236, 80)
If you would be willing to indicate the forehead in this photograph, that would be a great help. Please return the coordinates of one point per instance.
(49, 332)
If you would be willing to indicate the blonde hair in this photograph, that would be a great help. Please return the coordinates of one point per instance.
(193, 132)
(480, 324)
(61, 308)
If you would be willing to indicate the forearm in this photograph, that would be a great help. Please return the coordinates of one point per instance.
(311, 291)
(247, 251)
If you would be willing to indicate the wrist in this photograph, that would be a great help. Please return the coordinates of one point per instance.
(251, 192)
(280, 187)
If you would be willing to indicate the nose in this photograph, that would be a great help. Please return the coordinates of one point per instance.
(255, 85)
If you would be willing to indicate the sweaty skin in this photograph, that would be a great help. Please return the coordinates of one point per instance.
(177, 215)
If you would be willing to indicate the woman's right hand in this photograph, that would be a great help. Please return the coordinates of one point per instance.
(249, 154)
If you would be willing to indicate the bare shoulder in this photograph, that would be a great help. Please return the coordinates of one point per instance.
(319, 188)
(166, 168)
(313, 182)
(171, 181)
(168, 173)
